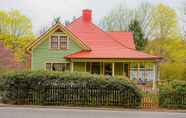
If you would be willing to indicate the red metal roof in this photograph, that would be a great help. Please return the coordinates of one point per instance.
(104, 44)
(125, 38)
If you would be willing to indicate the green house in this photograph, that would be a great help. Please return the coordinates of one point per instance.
(83, 47)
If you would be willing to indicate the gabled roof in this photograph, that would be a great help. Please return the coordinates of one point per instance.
(95, 42)
(105, 44)
(51, 31)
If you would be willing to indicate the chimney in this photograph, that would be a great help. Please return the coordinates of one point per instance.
(87, 15)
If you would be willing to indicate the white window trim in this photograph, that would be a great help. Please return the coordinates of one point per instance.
(58, 35)
(138, 69)
(53, 62)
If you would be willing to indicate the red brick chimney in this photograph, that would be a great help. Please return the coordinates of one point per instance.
(87, 15)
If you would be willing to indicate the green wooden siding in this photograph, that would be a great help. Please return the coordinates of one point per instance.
(43, 54)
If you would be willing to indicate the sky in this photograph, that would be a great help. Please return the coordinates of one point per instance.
(42, 12)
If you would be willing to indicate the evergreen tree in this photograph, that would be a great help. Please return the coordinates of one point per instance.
(138, 34)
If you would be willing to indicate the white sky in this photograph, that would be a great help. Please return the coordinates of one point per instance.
(41, 12)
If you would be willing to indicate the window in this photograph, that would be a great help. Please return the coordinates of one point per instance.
(54, 42)
(59, 42)
(150, 72)
(134, 71)
(63, 42)
(142, 72)
(57, 67)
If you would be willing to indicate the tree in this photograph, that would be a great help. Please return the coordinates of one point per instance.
(56, 20)
(16, 32)
(172, 71)
(182, 16)
(120, 18)
(164, 22)
(143, 14)
(139, 40)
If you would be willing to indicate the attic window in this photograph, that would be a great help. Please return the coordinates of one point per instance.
(59, 42)
(54, 42)
(63, 42)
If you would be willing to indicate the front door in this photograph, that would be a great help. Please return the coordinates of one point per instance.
(108, 68)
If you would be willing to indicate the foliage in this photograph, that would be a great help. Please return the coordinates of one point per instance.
(139, 40)
(172, 71)
(164, 22)
(16, 32)
(173, 95)
(40, 81)
(172, 50)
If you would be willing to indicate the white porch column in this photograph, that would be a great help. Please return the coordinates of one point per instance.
(156, 76)
(71, 66)
(113, 69)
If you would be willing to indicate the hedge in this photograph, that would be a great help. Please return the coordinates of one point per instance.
(81, 89)
(173, 95)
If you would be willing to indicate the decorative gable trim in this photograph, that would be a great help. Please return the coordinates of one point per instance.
(52, 30)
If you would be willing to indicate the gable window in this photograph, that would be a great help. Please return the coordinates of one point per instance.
(54, 42)
(63, 42)
(58, 67)
(59, 42)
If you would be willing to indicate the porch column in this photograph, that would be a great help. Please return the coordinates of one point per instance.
(91, 67)
(101, 71)
(71, 66)
(156, 76)
(103, 68)
(85, 66)
(113, 69)
(138, 71)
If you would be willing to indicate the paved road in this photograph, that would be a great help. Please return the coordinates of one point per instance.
(8, 112)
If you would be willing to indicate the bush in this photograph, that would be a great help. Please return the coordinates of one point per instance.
(55, 88)
(173, 95)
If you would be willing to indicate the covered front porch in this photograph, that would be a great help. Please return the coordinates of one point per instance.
(133, 69)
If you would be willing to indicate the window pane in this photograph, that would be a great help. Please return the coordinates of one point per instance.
(142, 72)
(150, 72)
(63, 42)
(133, 71)
(54, 42)
(60, 67)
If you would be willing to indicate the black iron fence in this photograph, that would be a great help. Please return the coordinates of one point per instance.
(173, 100)
(78, 96)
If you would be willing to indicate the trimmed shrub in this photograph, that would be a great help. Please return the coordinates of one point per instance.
(82, 89)
(173, 95)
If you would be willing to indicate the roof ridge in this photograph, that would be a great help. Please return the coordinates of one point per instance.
(73, 21)
(109, 36)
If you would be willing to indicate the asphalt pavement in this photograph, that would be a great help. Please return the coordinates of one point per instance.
(24, 112)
